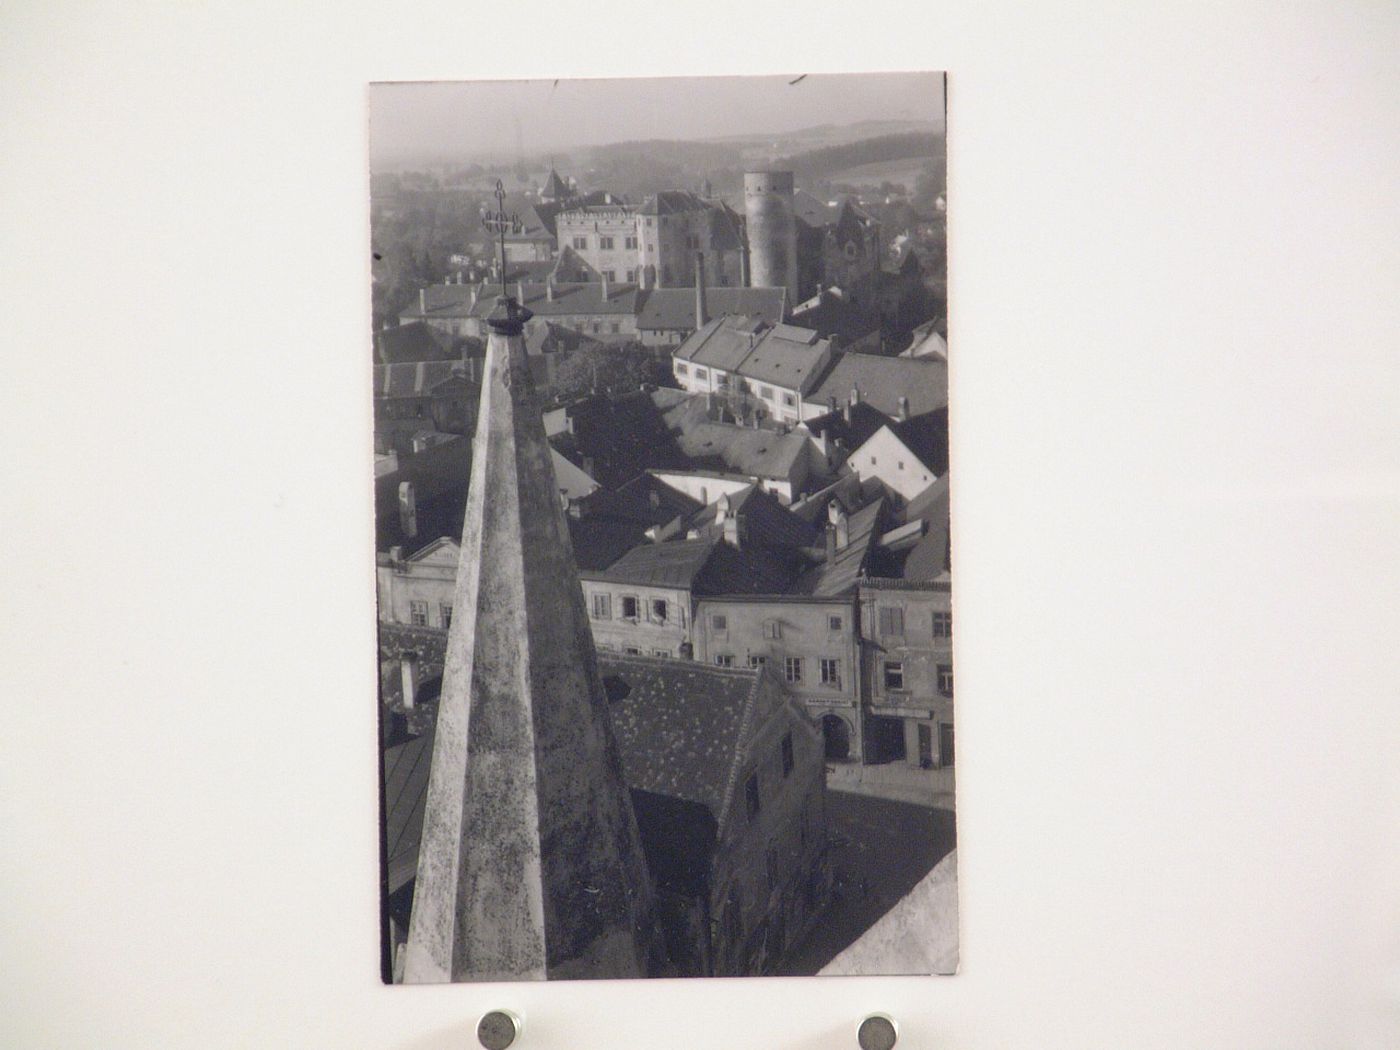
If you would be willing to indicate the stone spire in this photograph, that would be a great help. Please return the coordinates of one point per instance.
(530, 865)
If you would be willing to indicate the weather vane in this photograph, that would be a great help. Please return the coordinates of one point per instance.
(499, 222)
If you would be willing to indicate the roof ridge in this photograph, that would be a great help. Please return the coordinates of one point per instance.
(731, 783)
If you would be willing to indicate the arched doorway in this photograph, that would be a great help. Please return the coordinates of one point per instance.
(837, 736)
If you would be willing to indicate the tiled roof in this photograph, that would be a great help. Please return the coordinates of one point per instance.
(743, 450)
(672, 202)
(414, 341)
(786, 356)
(926, 435)
(865, 421)
(842, 574)
(722, 343)
(928, 559)
(883, 380)
(673, 309)
(703, 566)
(767, 523)
(405, 788)
(682, 727)
(567, 299)
(419, 378)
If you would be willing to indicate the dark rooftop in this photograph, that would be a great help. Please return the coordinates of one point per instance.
(673, 309)
(883, 380)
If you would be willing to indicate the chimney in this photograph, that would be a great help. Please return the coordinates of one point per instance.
(831, 403)
(702, 314)
(520, 292)
(855, 395)
(408, 671)
(604, 279)
(903, 407)
(408, 509)
(846, 412)
(839, 524)
(422, 300)
(396, 556)
(733, 530)
(549, 288)
(722, 508)
(830, 544)
(471, 304)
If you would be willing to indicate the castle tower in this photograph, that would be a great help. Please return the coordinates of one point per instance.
(772, 230)
(530, 865)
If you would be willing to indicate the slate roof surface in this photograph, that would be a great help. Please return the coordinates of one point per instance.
(883, 380)
(622, 435)
(673, 309)
(837, 316)
(928, 559)
(811, 210)
(841, 576)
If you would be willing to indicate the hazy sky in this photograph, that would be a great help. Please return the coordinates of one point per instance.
(478, 118)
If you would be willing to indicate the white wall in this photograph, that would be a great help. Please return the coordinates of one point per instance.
(1174, 261)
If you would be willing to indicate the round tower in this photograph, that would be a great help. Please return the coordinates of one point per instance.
(772, 230)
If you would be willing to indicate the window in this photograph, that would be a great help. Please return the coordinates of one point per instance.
(894, 674)
(632, 651)
(700, 373)
(833, 623)
(658, 610)
(772, 629)
(719, 622)
(724, 660)
(872, 461)
(596, 327)
(751, 799)
(602, 607)
(891, 620)
(631, 274)
(792, 669)
(681, 369)
(787, 754)
(631, 242)
(581, 243)
(615, 327)
(831, 673)
(757, 660)
(789, 400)
(445, 610)
(629, 607)
(665, 654)
(649, 221)
(945, 679)
(605, 244)
(943, 625)
(899, 464)
(418, 614)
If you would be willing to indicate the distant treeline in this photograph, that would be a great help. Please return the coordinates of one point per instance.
(819, 163)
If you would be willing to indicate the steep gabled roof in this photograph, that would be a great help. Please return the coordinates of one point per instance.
(554, 186)
(571, 268)
(842, 574)
(767, 523)
(926, 436)
(865, 420)
(671, 202)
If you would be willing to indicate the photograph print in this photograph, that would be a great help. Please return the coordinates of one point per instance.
(662, 554)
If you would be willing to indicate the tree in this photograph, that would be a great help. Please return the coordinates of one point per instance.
(610, 368)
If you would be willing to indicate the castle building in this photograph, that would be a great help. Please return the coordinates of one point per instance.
(672, 226)
(604, 236)
(530, 865)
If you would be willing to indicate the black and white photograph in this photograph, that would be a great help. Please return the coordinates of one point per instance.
(662, 527)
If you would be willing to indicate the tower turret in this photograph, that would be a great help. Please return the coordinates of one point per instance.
(772, 230)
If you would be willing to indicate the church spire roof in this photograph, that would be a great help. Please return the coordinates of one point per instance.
(531, 866)
(554, 187)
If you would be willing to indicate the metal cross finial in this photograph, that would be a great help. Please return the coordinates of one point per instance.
(499, 222)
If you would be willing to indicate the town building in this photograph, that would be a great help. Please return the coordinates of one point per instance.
(812, 643)
(906, 456)
(602, 309)
(421, 397)
(666, 317)
(672, 226)
(604, 236)
(851, 252)
(644, 603)
(907, 628)
(761, 371)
